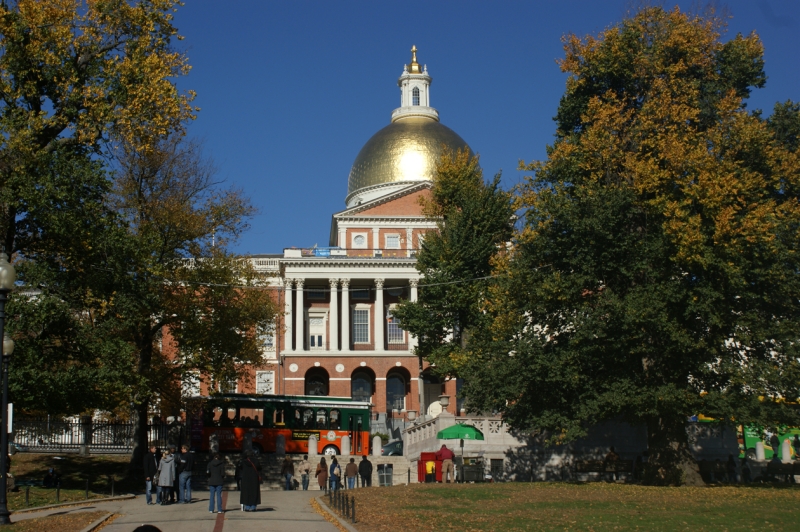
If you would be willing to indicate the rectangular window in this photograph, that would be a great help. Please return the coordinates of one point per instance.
(392, 241)
(190, 387)
(315, 294)
(265, 382)
(361, 326)
(394, 334)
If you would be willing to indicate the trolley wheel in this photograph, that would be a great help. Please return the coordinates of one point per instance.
(330, 450)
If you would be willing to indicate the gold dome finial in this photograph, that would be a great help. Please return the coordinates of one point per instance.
(414, 68)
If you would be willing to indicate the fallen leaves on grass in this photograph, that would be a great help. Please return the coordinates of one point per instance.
(328, 517)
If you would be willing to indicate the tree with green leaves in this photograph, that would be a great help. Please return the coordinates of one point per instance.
(655, 276)
(475, 221)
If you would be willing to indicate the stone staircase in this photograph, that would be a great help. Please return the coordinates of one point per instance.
(271, 470)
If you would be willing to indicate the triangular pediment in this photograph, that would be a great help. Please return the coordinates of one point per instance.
(403, 202)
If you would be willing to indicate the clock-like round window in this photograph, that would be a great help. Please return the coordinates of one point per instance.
(360, 240)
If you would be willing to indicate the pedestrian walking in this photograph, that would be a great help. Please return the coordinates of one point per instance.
(287, 472)
(351, 473)
(336, 473)
(150, 472)
(250, 495)
(305, 468)
(365, 470)
(185, 468)
(322, 473)
(166, 476)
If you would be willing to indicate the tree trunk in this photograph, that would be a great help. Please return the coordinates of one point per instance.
(141, 407)
(139, 437)
(670, 462)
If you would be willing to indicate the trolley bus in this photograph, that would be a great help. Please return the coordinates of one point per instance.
(226, 422)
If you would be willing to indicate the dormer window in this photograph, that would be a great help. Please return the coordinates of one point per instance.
(415, 96)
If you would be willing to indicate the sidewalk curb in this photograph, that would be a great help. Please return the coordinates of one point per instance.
(73, 503)
(97, 523)
(341, 521)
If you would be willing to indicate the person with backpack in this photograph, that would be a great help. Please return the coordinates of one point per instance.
(336, 474)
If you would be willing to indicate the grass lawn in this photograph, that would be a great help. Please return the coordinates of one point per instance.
(74, 470)
(70, 522)
(593, 506)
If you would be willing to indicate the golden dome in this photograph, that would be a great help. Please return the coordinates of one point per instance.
(405, 150)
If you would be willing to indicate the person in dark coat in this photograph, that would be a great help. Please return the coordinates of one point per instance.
(150, 471)
(185, 467)
(216, 477)
(365, 471)
(250, 495)
(287, 472)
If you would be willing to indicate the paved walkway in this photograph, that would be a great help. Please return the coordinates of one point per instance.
(280, 510)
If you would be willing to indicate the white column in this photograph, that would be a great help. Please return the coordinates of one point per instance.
(409, 241)
(287, 321)
(376, 245)
(333, 334)
(300, 332)
(412, 340)
(345, 315)
(342, 238)
(379, 320)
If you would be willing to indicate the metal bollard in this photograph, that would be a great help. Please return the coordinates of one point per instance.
(27, 495)
(346, 506)
(409, 477)
(87, 489)
(58, 494)
(354, 510)
(112, 487)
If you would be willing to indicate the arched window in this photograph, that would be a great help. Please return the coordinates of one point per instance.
(415, 96)
(361, 386)
(395, 392)
(316, 382)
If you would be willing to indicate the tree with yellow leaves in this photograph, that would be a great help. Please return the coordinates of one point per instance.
(75, 75)
(656, 275)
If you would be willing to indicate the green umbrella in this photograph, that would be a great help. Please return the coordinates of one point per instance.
(460, 431)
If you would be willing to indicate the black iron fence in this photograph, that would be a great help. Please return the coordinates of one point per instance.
(71, 435)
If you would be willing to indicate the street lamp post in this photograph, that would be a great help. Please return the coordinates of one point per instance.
(7, 279)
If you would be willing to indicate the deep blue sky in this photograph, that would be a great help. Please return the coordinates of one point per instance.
(290, 91)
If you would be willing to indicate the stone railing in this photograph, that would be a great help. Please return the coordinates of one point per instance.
(421, 437)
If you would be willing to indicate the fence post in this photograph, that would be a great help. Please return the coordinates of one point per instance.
(409, 476)
(354, 510)
(27, 495)
(58, 494)
(86, 435)
(346, 507)
(87, 488)
(112, 486)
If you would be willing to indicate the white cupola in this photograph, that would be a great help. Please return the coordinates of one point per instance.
(415, 92)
